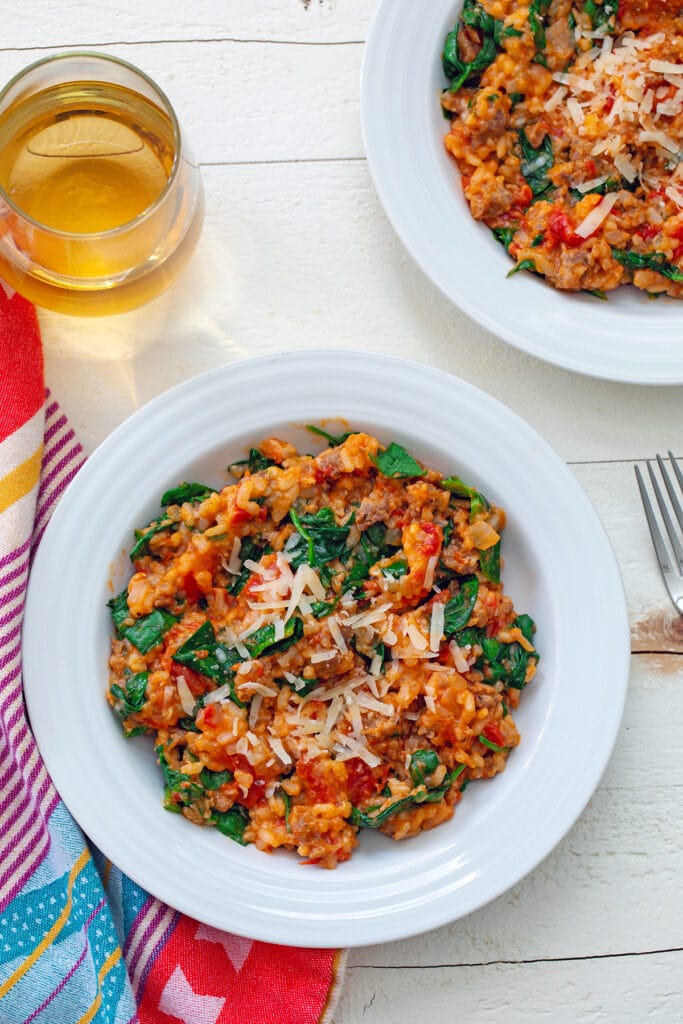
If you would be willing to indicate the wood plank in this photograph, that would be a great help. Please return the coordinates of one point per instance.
(302, 256)
(242, 102)
(655, 624)
(633, 988)
(315, 21)
(600, 891)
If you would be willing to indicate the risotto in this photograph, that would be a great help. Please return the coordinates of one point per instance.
(567, 129)
(321, 647)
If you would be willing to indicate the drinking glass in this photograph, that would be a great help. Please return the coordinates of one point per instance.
(101, 203)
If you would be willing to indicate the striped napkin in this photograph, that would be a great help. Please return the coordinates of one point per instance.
(79, 941)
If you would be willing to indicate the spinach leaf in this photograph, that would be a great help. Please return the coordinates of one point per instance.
(254, 463)
(597, 293)
(522, 265)
(525, 624)
(321, 609)
(648, 261)
(287, 801)
(232, 823)
(214, 780)
(249, 551)
(263, 640)
(304, 687)
(396, 463)
(537, 25)
(515, 661)
(186, 492)
(204, 654)
(131, 696)
(536, 163)
(146, 632)
(478, 503)
(538, 240)
(176, 781)
(368, 819)
(458, 610)
(505, 236)
(601, 14)
(144, 536)
(506, 662)
(318, 539)
(396, 570)
(333, 441)
(422, 764)
(469, 636)
(610, 185)
(257, 461)
(120, 611)
(371, 548)
(515, 98)
(460, 71)
(491, 745)
(492, 32)
(489, 562)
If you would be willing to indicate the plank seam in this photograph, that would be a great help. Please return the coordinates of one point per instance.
(520, 963)
(168, 42)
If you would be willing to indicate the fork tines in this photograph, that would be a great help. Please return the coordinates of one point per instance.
(670, 558)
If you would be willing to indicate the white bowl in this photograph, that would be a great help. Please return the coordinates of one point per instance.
(628, 338)
(559, 568)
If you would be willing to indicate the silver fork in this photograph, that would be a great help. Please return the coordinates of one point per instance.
(672, 569)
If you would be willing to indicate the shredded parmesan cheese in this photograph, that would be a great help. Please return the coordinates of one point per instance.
(336, 633)
(665, 67)
(556, 98)
(234, 565)
(415, 636)
(222, 693)
(185, 695)
(597, 215)
(436, 626)
(319, 656)
(278, 749)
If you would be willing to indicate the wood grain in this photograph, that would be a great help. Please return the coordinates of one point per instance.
(630, 988)
(42, 23)
(298, 253)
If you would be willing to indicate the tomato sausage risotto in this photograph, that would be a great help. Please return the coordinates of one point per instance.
(320, 647)
(567, 128)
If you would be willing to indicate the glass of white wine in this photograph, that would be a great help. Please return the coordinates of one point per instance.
(101, 203)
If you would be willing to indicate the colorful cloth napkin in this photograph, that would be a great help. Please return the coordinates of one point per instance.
(79, 941)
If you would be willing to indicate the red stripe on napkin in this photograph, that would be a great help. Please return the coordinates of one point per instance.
(21, 359)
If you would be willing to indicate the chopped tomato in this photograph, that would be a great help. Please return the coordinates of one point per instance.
(254, 794)
(363, 782)
(560, 228)
(312, 776)
(647, 232)
(239, 515)
(523, 196)
(195, 681)
(207, 715)
(430, 539)
(191, 588)
(493, 734)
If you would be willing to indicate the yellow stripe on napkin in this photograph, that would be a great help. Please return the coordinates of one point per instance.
(56, 928)
(20, 480)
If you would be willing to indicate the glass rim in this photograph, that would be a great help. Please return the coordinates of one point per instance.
(144, 214)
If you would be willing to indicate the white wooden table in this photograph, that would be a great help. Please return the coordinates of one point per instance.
(297, 253)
